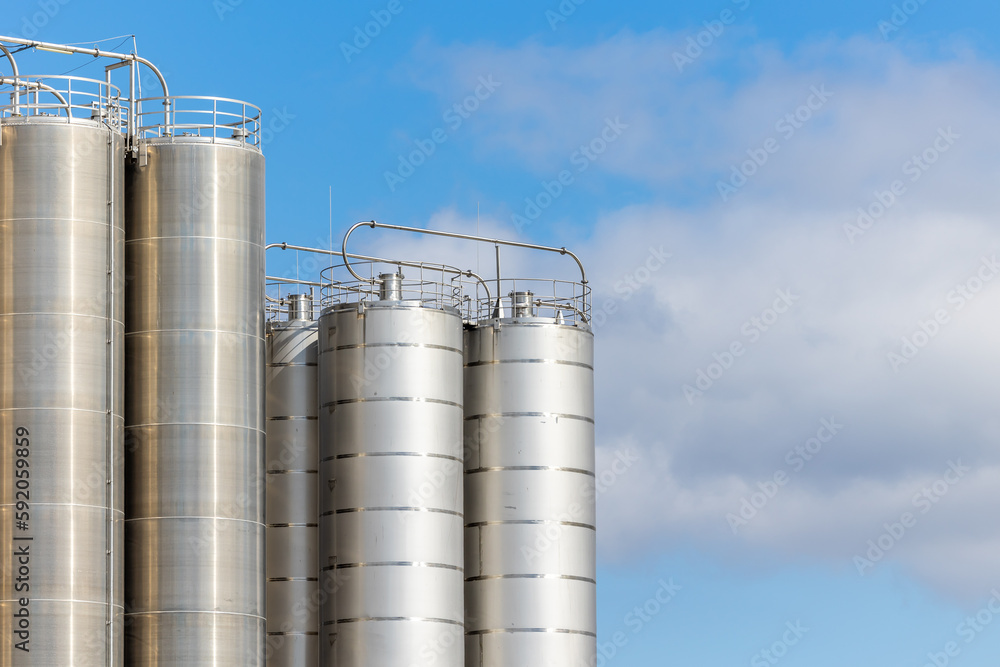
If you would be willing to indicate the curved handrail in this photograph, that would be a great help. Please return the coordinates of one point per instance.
(224, 113)
(17, 83)
(382, 260)
(454, 235)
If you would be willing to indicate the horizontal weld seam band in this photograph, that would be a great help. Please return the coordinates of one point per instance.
(351, 510)
(439, 566)
(102, 603)
(566, 577)
(579, 471)
(292, 634)
(529, 325)
(560, 415)
(195, 330)
(94, 412)
(84, 505)
(292, 365)
(102, 223)
(102, 318)
(194, 518)
(559, 362)
(386, 399)
(516, 630)
(291, 419)
(146, 239)
(293, 525)
(379, 454)
(530, 522)
(358, 346)
(215, 424)
(395, 619)
(284, 579)
(293, 472)
(193, 611)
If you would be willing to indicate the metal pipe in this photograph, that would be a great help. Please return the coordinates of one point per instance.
(293, 281)
(97, 53)
(467, 237)
(111, 491)
(381, 260)
(131, 92)
(499, 287)
(13, 67)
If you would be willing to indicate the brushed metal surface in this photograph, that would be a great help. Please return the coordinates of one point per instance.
(391, 500)
(292, 477)
(61, 337)
(194, 345)
(529, 495)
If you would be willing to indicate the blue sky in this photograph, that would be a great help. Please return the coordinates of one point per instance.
(898, 124)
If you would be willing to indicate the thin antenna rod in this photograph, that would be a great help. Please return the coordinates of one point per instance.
(331, 218)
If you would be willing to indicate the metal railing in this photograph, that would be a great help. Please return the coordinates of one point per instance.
(212, 119)
(562, 300)
(431, 285)
(59, 96)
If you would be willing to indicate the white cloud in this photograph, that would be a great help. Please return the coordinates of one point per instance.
(827, 356)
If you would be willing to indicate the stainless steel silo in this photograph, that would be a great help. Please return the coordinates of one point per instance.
(292, 471)
(391, 480)
(61, 337)
(194, 347)
(530, 490)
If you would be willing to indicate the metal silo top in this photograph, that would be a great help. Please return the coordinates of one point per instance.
(62, 99)
(197, 119)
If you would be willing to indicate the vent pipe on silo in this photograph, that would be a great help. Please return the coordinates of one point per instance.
(300, 307)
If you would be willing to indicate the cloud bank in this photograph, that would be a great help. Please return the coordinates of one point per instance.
(805, 374)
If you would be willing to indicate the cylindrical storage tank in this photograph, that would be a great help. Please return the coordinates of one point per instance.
(194, 347)
(530, 493)
(291, 500)
(391, 484)
(61, 423)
